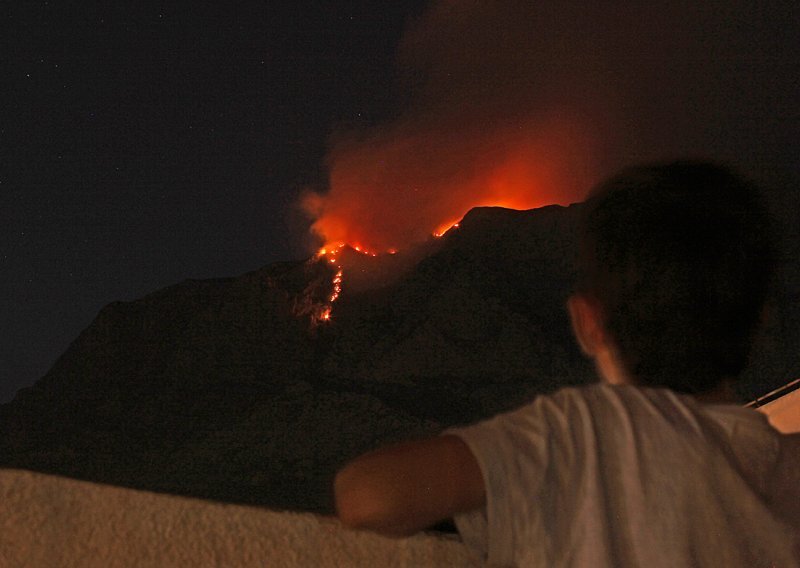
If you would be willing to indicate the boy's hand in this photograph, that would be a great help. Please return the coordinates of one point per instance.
(402, 489)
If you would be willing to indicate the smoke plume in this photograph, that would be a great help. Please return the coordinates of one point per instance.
(522, 104)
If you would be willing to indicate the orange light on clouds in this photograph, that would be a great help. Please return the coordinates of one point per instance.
(398, 188)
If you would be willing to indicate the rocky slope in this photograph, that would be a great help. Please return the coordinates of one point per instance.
(228, 389)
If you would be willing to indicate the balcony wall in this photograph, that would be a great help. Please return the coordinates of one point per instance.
(51, 522)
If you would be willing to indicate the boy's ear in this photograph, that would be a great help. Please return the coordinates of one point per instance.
(586, 324)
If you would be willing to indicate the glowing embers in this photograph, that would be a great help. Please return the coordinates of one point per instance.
(445, 228)
(337, 286)
(331, 254)
(365, 267)
(331, 251)
(325, 314)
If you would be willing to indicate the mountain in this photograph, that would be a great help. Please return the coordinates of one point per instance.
(233, 389)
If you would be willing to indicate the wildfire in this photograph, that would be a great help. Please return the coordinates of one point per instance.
(332, 254)
(395, 189)
(444, 229)
(337, 286)
(461, 142)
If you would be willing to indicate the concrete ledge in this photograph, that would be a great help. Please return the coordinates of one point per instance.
(50, 521)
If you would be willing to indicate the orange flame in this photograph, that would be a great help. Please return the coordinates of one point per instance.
(442, 229)
(331, 251)
(391, 190)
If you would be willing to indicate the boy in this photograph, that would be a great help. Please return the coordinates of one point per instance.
(654, 466)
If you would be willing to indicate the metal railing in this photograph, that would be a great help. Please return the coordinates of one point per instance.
(777, 393)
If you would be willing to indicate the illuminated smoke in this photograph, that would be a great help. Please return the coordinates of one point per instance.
(522, 104)
(387, 193)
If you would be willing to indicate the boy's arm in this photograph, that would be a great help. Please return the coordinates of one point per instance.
(404, 488)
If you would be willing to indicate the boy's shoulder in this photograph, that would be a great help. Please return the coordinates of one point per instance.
(602, 410)
(604, 397)
(651, 400)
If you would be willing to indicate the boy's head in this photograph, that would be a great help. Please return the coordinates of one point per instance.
(674, 265)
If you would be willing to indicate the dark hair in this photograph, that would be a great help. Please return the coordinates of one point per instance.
(679, 259)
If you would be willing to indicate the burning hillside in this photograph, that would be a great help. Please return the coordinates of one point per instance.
(358, 270)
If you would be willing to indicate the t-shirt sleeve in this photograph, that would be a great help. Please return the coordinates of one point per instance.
(513, 452)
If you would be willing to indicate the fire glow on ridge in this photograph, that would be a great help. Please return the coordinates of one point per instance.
(374, 206)
(331, 254)
(399, 185)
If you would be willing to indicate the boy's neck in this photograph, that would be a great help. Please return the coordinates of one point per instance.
(612, 371)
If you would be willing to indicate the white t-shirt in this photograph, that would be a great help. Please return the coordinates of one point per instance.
(623, 476)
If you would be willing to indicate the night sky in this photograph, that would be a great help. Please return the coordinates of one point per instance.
(143, 143)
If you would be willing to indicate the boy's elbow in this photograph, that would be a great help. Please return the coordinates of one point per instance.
(361, 503)
(353, 507)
